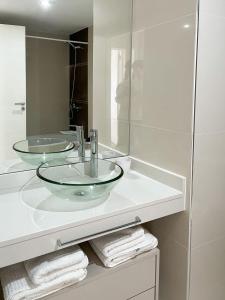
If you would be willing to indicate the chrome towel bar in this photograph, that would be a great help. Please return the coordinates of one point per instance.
(93, 236)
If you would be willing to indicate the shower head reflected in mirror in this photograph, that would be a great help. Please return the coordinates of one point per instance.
(75, 47)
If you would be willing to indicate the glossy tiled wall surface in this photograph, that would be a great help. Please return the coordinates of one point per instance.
(162, 82)
(111, 76)
(208, 204)
(162, 116)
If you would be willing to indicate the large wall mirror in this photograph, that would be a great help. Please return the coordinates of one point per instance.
(64, 70)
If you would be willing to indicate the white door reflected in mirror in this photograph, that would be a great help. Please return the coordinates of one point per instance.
(12, 88)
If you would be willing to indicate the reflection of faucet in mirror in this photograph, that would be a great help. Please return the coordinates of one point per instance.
(80, 138)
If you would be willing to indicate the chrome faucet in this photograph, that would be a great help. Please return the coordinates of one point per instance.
(80, 138)
(94, 149)
(94, 152)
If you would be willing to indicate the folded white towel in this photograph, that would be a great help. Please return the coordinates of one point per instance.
(53, 275)
(150, 242)
(40, 269)
(118, 241)
(17, 285)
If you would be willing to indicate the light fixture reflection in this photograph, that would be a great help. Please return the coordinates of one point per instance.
(186, 26)
(46, 4)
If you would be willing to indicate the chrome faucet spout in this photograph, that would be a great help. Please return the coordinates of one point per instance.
(94, 152)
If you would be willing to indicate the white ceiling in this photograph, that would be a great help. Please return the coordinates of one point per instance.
(63, 17)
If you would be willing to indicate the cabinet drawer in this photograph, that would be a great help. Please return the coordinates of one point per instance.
(148, 295)
(120, 283)
(36, 246)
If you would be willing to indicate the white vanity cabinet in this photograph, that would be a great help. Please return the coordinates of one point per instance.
(28, 231)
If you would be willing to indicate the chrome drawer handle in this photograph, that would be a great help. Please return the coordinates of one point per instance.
(93, 236)
(20, 103)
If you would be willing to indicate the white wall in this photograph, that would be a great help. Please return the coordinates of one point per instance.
(111, 92)
(47, 86)
(162, 117)
(208, 203)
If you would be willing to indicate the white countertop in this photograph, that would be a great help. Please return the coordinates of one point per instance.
(31, 211)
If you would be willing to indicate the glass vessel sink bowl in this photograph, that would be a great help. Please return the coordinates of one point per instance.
(36, 151)
(73, 180)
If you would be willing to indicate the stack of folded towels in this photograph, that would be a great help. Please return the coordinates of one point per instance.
(44, 275)
(118, 247)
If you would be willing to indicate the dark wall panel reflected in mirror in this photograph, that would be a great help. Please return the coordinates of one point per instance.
(79, 81)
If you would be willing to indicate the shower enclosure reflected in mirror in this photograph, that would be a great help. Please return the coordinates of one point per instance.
(63, 64)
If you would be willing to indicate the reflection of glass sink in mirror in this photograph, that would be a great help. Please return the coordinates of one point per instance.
(36, 151)
(74, 181)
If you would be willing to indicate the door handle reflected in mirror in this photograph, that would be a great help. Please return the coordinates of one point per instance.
(19, 103)
(22, 104)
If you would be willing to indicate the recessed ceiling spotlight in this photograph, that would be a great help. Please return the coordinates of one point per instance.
(46, 4)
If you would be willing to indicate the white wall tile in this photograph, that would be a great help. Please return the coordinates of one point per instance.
(210, 104)
(161, 116)
(162, 75)
(168, 149)
(151, 12)
(174, 261)
(173, 268)
(208, 205)
(111, 65)
(215, 7)
(208, 271)
(176, 226)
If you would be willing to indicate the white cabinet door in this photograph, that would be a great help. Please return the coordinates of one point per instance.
(12, 88)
